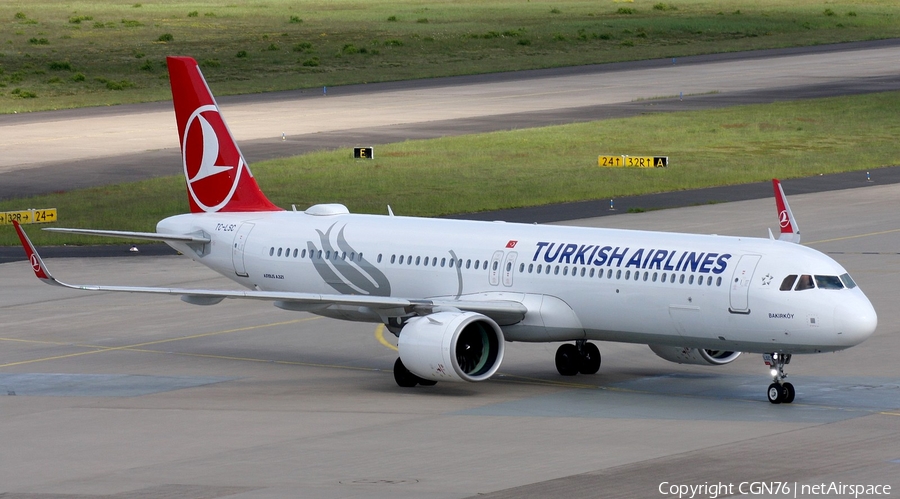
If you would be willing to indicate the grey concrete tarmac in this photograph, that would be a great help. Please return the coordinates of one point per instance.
(115, 396)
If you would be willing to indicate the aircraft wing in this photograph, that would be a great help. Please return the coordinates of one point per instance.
(504, 312)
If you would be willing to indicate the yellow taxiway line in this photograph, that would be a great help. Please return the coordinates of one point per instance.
(100, 349)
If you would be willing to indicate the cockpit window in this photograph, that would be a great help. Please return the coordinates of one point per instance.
(788, 282)
(805, 282)
(845, 278)
(829, 282)
(819, 281)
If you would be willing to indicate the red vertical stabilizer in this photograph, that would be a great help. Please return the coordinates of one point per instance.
(218, 178)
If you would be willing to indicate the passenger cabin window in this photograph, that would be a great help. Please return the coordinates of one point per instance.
(805, 282)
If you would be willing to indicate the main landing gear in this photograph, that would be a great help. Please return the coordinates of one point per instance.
(582, 357)
(779, 391)
(406, 379)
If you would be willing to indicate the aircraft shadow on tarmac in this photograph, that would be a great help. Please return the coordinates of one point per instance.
(713, 397)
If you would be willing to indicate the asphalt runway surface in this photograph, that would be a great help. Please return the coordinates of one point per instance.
(119, 396)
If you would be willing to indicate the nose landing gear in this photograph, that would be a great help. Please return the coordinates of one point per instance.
(779, 391)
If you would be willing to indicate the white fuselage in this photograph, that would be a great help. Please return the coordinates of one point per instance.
(700, 291)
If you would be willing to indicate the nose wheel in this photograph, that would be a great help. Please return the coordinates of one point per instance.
(582, 357)
(780, 391)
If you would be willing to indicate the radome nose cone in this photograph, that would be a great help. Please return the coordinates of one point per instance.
(857, 320)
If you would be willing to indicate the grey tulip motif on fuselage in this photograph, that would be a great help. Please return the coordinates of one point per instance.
(345, 269)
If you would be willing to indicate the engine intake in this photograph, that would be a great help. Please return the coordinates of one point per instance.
(696, 356)
(451, 346)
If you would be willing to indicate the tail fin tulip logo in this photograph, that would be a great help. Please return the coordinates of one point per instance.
(212, 168)
(783, 219)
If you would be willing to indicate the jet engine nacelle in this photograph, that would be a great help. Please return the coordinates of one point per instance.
(697, 356)
(451, 346)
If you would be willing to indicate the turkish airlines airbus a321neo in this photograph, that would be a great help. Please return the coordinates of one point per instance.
(455, 291)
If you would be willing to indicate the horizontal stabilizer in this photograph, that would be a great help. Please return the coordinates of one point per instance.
(150, 236)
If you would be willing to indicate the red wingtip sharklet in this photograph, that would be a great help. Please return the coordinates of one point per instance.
(790, 231)
(37, 265)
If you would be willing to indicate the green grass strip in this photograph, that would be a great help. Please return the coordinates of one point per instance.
(534, 166)
(56, 54)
